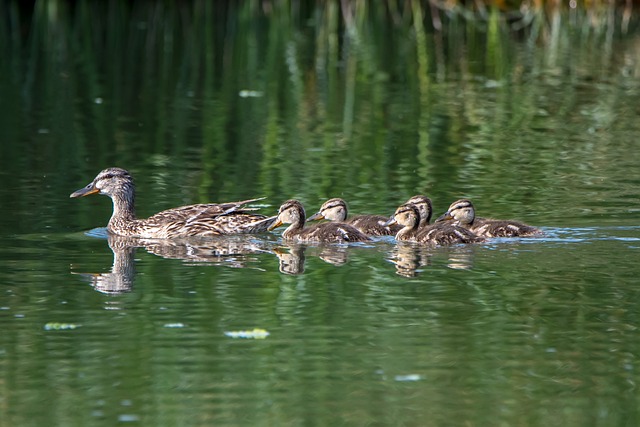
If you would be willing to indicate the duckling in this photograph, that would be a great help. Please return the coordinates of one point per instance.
(205, 220)
(371, 225)
(462, 213)
(425, 208)
(408, 216)
(292, 212)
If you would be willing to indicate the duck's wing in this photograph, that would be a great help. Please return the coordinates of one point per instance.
(506, 228)
(374, 225)
(443, 234)
(210, 219)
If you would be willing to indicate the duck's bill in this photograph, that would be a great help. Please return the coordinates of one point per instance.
(89, 189)
(444, 217)
(275, 225)
(315, 217)
(391, 221)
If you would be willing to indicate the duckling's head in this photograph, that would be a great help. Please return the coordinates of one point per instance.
(461, 211)
(423, 203)
(406, 215)
(112, 182)
(291, 212)
(332, 209)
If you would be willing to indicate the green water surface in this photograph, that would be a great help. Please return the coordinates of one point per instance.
(214, 101)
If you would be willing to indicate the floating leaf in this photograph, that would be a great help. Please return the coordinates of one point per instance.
(174, 325)
(410, 377)
(55, 326)
(258, 334)
(250, 93)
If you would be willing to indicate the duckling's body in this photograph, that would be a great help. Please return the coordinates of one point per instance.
(462, 213)
(292, 212)
(204, 220)
(371, 225)
(408, 216)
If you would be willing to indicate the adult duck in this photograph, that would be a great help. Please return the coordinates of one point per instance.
(210, 219)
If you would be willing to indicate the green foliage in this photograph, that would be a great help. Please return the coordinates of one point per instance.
(372, 101)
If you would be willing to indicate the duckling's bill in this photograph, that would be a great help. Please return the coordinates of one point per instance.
(444, 217)
(316, 217)
(275, 225)
(391, 221)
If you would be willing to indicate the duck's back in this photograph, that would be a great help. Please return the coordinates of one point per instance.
(446, 234)
(329, 232)
(373, 225)
(211, 219)
(503, 228)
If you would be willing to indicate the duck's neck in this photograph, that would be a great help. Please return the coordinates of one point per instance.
(294, 229)
(408, 231)
(466, 222)
(123, 210)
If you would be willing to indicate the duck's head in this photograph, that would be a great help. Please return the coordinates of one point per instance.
(291, 212)
(407, 215)
(110, 182)
(461, 211)
(332, 209)
(423, 203)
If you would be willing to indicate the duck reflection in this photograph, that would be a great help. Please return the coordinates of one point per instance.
(230, 251)
(120, 278)
(409, 258)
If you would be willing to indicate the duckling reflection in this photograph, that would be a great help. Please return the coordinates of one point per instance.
(293, 255)
(335, 255)
(461, 257)
(229, 251)
(409, 258)
(291, 261)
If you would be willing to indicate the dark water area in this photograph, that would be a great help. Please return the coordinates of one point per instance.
(213, 101)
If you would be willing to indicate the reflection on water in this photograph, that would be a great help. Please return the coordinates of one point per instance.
(229, 251)
(520, 319)
(122, 274)
(291, 258)
(410, 258)
(236, 251)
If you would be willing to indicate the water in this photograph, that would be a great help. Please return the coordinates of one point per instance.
(248, 330)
